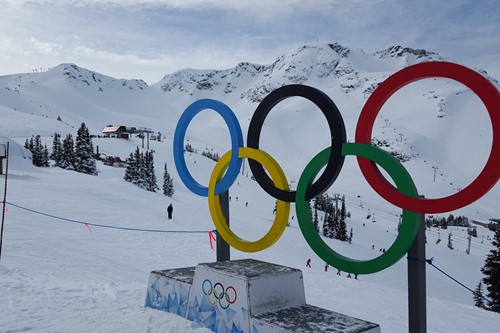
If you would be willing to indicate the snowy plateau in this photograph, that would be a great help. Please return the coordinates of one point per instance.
(58, 274)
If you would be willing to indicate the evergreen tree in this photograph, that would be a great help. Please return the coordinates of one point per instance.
(150, 174)
(329, 224)
(67, 160)
(39, 154)
(478, 296)
(140, 170)
(56, 149)
(130, 169)
(135, 166)
(491, 269)
(336, 223)
(45, 157)
(168, 183)
(84, 152)
(444, 223)
(341, 233)
(316, 222)
(326, 225)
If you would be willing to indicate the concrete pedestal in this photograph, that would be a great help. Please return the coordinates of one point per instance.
(246, 296)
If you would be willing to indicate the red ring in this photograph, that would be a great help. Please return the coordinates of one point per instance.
(235, 295)
(490, 174)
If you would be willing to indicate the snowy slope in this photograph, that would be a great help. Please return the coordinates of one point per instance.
(60, 276)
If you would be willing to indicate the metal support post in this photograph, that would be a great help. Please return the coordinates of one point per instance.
(417, 308)
(223, 252)
(4, 198)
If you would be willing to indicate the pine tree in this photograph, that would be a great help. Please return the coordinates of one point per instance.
(130, 169)
(491, 269)
(326, 225)
(342, 231)
(341, 225)
(149, 172)
(45, 157)
(335, 224)
(67, 160)
(316, 222)
(140, 170)
(84, 152)
(329, 224)
(136, 166)
(56, 149)
(39, 152)
(478, 296)
(140, 179)
(168, 183)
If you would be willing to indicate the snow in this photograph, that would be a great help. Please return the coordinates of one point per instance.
(62, 276)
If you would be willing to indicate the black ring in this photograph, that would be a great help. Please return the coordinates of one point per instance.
(337, 132)
(222, 293)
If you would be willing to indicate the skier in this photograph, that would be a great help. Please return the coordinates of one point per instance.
(338, 272)
(308, 263)
(326, 267)
(170, 210)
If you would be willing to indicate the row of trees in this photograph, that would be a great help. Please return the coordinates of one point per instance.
(444, 223)
(491, 280)
(141, 172)
(334, 225)
(67, 154)
(39, 151)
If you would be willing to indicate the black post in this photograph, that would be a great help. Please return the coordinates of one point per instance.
(4, 198)
(223, 253)
(417, 308)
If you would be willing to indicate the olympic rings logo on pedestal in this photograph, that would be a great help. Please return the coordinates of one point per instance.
(220, 295)
(405, 194)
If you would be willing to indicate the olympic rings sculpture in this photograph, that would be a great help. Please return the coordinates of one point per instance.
(404, 195)
(223, 293)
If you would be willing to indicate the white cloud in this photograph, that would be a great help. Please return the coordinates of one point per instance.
(149, 38)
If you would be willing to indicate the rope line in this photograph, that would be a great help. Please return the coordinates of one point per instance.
(430, 262)
(107, 226)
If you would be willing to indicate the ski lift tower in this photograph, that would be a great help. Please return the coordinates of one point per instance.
(147, 131)
(3, 154)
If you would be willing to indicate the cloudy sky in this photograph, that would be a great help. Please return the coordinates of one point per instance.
(147, 39)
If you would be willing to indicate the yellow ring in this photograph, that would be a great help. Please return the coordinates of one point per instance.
(282, 208)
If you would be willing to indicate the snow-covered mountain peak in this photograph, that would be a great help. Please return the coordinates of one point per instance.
(410, 54)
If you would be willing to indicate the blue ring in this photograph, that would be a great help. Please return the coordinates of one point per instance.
(203, 289)
(236, 142)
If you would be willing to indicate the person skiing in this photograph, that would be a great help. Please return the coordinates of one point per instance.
(308, 263)
(170, 210)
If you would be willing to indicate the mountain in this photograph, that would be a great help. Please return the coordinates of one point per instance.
(78, 249)
(410, 125)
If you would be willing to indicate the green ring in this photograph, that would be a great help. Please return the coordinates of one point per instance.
(409, 225)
